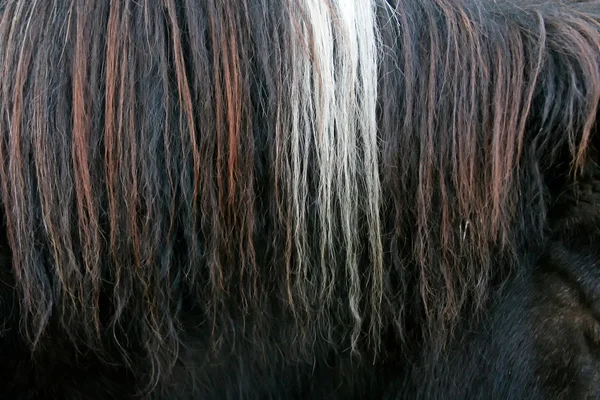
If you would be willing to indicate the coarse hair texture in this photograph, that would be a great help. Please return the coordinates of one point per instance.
(339, 170)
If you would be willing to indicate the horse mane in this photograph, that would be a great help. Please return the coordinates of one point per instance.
(326, 170)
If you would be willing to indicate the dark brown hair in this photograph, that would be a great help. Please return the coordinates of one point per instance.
(338, 169)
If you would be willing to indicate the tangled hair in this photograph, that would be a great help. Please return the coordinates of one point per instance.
(282, 175)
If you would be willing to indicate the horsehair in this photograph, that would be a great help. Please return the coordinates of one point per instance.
(324, 157)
